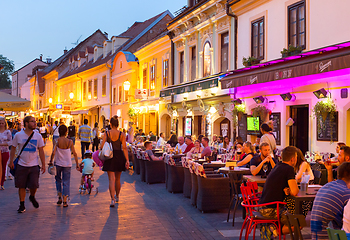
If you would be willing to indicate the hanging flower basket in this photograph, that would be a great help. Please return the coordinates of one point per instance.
(132, 113)
(321, 111)
(237, 113)
(261, 111)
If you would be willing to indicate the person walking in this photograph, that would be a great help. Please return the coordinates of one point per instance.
(131, 133)
(120, 160)
(72, 131)
(95, 138)
(85, 135)
(55, 133)
(28, 169)
(43, 131)
(62, 155)
(5, 142)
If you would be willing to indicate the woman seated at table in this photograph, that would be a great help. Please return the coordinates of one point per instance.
(173, 140)
(227, 145)
(302, 166)
(197, 149)
(248, 150)
(238, 152)
(337, 149)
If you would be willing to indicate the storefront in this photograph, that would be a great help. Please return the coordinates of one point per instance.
(288, 89)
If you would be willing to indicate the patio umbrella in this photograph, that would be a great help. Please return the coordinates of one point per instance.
(13, 103)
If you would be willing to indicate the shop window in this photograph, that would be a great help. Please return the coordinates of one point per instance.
(120, 93)
(84, 91)
(104, 85)
(182, 66)
(206, 60)
(224, 51)
(144, 80)
(95, 88)
(89, 89)
(258, 35)
(165, 72)
(297, 25)
(193, 62)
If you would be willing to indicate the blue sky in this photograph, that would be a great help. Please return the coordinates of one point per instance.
(31, 28)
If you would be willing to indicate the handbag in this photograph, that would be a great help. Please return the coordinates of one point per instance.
(107, 150)
(15, 162)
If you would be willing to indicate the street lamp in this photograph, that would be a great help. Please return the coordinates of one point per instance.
(126, 85)
(71, 95)
(50, 100)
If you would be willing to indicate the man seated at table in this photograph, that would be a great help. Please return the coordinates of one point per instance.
(280, 182)
(215, 140)
(148, 146)
(344, 156)
(161, 142)
(189, 144)
(329, 203)
(257, 162)
(181, 145)
(206, 149)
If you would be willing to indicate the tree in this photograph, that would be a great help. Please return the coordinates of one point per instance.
(9, 66)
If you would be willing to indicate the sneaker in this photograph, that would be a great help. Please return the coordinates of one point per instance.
(34, 202)
(21, 209)
(9, 178)
(116, 198)
(112, 203)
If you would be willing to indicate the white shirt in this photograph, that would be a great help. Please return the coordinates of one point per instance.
(161, 142)
(182, 147)
(346, 218)
(270, 139)
(29, 156)
(55, 130)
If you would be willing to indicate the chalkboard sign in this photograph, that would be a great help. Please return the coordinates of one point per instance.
(324, 128)
(242, 127)
(276, 118)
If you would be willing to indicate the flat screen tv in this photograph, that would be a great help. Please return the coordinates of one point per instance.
(253, 125)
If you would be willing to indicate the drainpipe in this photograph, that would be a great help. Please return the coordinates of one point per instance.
(110, 89)
(172, 57)
(229, 13)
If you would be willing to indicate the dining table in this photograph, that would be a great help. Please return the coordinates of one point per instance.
(257, 178)
(302, 196)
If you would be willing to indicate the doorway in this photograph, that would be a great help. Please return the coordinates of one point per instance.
(299, 131)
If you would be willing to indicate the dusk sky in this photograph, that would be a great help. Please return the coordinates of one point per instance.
(31, 28)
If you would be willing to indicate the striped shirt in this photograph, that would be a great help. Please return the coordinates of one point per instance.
(85, 133)
(328, 207)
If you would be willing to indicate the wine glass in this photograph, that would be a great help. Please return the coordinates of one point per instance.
(265, 168)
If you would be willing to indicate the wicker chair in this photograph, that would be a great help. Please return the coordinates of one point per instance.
(137, 162)
(194, 189)
(143, 168)
(154, 171)
(187, 183)
(175, 179)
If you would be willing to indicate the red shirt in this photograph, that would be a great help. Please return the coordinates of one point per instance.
(189, 147)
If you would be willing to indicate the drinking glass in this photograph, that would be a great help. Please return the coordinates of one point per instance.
(265, 168)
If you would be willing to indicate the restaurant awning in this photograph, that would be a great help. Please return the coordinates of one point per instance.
(43, 110)
(200, 84)
(84, 110)
(317, 61)
(13, 103)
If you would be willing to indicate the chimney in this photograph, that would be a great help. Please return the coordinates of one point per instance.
(65, 51)
(48, 60)
(41, 57)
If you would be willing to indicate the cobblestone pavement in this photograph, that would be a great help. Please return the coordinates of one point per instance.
(143, 212)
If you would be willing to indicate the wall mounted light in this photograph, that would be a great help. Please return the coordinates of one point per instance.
(286, 96)
(89, 96)
(71, 95)
(237, 101)
(321, 93)
(126, 85)
(214, 91)
(212, 110)
(50, 100)
(185, 96)
(259, 99)
(199, 93)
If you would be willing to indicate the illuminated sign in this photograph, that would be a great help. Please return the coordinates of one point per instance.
(58, 106)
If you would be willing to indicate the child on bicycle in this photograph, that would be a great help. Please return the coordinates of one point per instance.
(87, 166)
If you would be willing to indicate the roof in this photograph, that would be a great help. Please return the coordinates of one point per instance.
(6, 90)
(129, 56)
(162, 34)
(36, 59)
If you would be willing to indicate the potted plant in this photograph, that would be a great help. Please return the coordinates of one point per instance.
(132, 113)
(322, 110)
(250, 61)
(237, 113)
(291, 51)
(261, 111)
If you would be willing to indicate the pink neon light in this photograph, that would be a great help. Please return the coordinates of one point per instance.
(275, 61)
(310, 53)
(347, 44)
(293, 57)
(328, 49)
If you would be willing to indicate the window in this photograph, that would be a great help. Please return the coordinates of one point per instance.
(95, 88)
(126, 96)
(257, 50)
(89, 89)
(296, 25)
(182, 63)
(104, 85)
(120, 93)
(114, 95)
(224, 51)
(193, 62)
(165, 72)
(153, 77)
(84, 91)
(144, 80)
(206, 60)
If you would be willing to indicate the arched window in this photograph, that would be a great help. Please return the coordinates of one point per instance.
(206, 60)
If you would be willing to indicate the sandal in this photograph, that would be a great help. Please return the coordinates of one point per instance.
(65, 198)
(59, 202)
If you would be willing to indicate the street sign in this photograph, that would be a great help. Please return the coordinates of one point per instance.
(141, 93)
(58, 106)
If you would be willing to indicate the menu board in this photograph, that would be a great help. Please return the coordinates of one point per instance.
(188, 126)
(276, 119)
(324, 129)
(242, 127)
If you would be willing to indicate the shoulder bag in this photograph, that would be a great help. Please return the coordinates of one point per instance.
(107, 150)
(15, 162)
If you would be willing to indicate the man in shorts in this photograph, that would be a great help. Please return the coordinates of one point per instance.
(28, 169)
